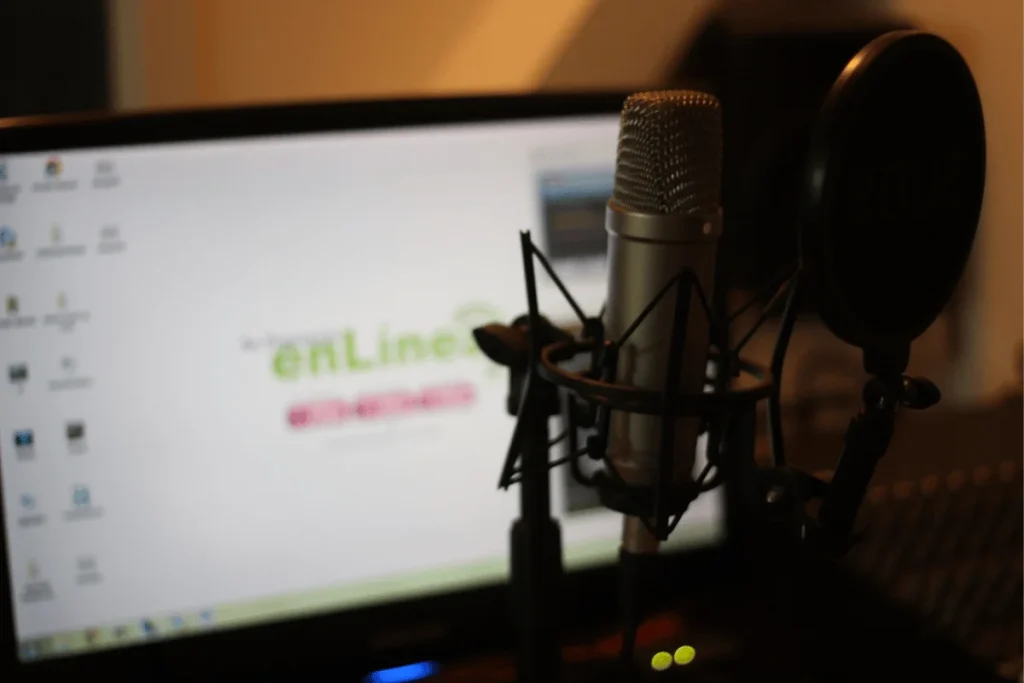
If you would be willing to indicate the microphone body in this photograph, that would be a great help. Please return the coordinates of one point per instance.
(645, 253)
(664, 216)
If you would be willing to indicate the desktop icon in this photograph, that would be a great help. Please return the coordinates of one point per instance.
(80, 497)
(28, 502)
(68, 364)
(3, 171)
(8, 238)
(34, 570)
(62, 300)
(11, 305)
(206, 616)
(177, 622)
(91, 636)
(17, 373)
(75, 431)
(56, 234)
(54, 167)
(148, 628)
(104, 167)
(120, 632)
(23, 438)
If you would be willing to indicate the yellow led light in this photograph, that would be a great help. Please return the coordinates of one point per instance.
(661, 661)
(684, 655)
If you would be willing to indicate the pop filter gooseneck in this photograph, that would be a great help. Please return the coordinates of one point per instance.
(893, 191)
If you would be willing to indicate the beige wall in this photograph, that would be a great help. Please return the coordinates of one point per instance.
(988, 34)
(216, 52)
(173, 53)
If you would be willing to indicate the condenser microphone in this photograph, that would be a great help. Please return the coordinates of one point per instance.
(664, 217)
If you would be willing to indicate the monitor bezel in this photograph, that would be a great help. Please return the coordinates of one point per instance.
(348, 642)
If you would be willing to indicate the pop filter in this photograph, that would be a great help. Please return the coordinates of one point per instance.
(893, 190)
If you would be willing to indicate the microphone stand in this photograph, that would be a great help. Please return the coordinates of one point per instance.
(536, 546)
(535, 537)
(535, 541)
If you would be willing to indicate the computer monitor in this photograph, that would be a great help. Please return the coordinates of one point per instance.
(239, 381)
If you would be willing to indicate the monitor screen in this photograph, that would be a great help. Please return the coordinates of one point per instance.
(239, 384)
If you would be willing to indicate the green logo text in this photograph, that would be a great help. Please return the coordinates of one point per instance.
(355, 352)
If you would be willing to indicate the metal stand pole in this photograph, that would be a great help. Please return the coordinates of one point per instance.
(536, 547)
(535, 537)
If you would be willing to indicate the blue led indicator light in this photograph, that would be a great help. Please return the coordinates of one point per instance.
(403, 674)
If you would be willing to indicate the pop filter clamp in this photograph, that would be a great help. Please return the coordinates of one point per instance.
(880, 307)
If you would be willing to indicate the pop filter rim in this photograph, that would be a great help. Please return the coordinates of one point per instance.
(817, 243)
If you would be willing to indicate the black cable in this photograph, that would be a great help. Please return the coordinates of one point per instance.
(558, 439)
(789, 315)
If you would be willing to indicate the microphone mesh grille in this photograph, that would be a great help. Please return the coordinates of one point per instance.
(670, 153)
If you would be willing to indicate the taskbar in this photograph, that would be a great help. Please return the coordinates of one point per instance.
(124, 634)
(441, 579)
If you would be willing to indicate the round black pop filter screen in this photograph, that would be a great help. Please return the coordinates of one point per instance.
(894, 188)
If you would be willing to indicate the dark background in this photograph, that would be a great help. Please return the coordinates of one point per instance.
(55, 57)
